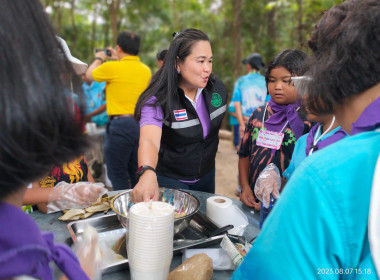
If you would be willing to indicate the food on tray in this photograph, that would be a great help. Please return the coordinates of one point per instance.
(121, 246)
(118, 257)
(73, 214)
(98, 208)
(102, 204)
(198, 267)
(179, 215)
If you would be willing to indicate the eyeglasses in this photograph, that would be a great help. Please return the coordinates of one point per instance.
(300, 83)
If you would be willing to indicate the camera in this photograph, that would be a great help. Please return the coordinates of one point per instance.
(106, 51)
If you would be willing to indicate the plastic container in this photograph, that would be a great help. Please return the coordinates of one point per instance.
(264, 211)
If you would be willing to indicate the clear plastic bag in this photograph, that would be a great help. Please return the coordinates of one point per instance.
(220, 259)
(92, 253)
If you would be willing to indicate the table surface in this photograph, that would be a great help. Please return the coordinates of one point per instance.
(50, 222)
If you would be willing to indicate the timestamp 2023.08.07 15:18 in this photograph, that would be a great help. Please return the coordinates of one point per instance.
(342, 271)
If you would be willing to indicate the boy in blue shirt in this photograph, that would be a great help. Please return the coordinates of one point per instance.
(96, 102)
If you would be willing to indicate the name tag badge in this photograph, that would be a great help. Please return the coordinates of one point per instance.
(269, 139)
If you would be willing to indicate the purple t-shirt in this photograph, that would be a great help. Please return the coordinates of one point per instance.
(24, 250)
(154, 115)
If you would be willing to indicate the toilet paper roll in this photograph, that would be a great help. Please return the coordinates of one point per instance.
(218, 209)
(222, 212)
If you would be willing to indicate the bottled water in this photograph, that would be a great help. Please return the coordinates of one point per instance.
(264, 211)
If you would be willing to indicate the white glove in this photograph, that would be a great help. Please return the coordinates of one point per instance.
(78, 195)
(268, 182)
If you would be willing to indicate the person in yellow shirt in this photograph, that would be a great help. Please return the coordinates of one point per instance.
(126, 78)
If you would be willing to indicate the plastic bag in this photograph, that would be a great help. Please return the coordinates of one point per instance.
(78, 195)
(220, 259)
(92, 253)
(268, 182)
(198, 267)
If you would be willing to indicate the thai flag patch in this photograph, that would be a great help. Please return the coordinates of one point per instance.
(180, 115)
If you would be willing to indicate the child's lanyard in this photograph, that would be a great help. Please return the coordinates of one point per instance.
(270, 139)
(317, 139)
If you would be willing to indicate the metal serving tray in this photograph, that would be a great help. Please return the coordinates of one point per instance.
(201, 232)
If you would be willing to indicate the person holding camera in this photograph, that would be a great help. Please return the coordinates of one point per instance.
(126, 78)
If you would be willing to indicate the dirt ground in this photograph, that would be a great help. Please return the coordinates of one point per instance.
(226, 166)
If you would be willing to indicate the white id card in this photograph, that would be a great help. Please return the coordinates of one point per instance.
(269, 139)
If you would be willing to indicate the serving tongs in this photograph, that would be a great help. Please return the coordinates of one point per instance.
(179, 244)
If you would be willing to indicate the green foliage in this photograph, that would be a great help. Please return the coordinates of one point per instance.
(267, 26)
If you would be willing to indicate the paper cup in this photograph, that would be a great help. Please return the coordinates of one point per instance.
(157, 274)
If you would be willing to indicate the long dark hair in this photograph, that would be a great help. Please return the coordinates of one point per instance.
(38, 127)
(345, 44)
(164, 84)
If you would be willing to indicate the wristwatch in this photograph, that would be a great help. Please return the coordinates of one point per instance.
(142, 169)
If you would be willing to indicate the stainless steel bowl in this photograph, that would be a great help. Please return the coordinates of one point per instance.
(181, 200)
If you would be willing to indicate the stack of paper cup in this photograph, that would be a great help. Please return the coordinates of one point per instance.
(150, 242)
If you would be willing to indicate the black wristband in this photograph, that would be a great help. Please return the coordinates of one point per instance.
(99, 58)
(142, 169)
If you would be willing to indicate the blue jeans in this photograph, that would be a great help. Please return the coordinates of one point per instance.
(121, 143)
(204, 184)
(236, 134)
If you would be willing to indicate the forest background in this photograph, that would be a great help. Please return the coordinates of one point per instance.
(236, 27)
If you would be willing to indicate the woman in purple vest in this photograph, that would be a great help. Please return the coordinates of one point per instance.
(180, 114)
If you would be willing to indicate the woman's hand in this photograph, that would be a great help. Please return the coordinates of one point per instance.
(147, 187)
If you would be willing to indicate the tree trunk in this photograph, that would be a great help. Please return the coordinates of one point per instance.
(106, 30)
(114, 10)
(46, 3)
(176, 23)
(236, 35)
(57, 14)
(271, 35)
(93, 28)
(299, 25)
(75, 33)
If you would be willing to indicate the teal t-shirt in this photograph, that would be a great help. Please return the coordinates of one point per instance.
(94, 98)
(299, 153)
(231, 108)
(319, 225)
(251, 91)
